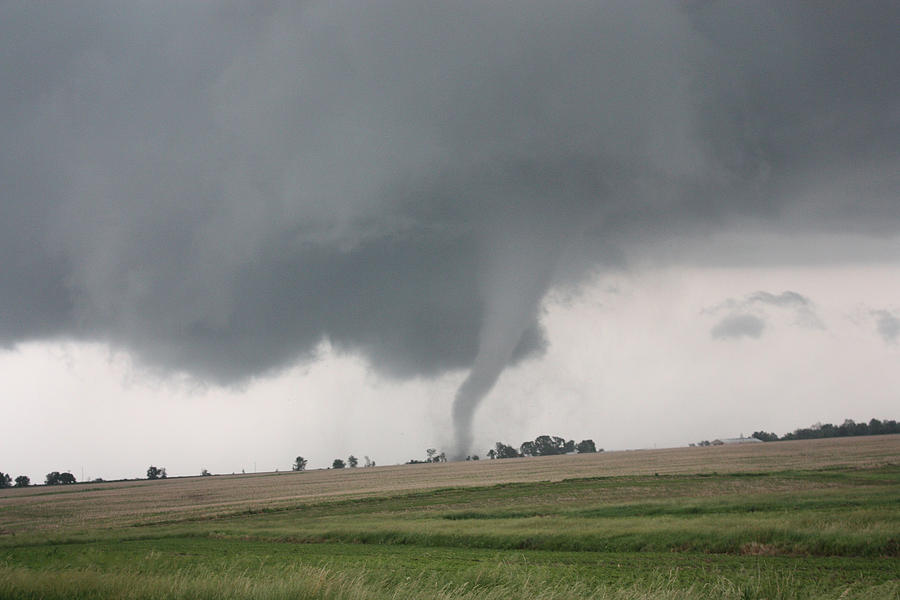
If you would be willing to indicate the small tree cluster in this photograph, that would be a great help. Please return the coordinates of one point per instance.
(586, 447)
(156, 473)
(299, 464)
(543, 445)
(431, 456)
(57, 478)
(546, 445)
(21, 481)
(501, 450)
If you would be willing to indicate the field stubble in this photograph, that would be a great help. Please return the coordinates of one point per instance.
(128, 502)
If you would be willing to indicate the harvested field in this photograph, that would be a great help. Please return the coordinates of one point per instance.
(118, 503)
(804, 519)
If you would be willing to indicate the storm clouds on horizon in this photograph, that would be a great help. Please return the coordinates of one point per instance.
(218, 188)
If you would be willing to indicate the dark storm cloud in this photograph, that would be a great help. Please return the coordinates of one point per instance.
(219, 188)
(888, 325)
(738, 326)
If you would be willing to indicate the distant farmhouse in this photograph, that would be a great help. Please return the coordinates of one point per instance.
(728, 441)
(737, 440)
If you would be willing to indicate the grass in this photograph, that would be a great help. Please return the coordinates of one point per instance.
(503, 581)
(201, 568)
(831, 531)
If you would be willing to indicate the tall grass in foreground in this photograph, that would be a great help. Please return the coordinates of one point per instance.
(498, 582)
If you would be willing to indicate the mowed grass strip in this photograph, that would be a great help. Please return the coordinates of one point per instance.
(209, 568)
(857, 533)
(847, 513)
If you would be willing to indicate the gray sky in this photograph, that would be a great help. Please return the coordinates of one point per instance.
(232, 232)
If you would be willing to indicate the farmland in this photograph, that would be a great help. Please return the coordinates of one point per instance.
(804, 519)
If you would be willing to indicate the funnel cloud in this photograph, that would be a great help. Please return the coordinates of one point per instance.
(220, 188)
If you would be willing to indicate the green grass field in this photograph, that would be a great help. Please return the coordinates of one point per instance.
(828, 532)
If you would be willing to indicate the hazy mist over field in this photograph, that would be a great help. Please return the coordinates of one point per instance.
(238, 233)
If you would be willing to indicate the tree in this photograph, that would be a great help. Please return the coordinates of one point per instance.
(337, 464)
(492, 454)
(352, 461)
(57, 478)
(765, 436)
(5, 480)
(586, 447)
(155, 473)
(432, 456)
(204, 473)
(23, 481)
(299, 464)
(545, 445)
(369, 462)
(504, 451)
(527, 449)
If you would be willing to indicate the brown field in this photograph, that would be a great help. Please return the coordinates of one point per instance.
(132, 502)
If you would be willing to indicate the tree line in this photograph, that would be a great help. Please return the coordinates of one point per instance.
(338, 463)
(828, 430)
(53, 478)
(6, 480)
(543, 445)
(433, 456)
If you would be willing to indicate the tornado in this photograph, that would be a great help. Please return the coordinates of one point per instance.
(519, 272)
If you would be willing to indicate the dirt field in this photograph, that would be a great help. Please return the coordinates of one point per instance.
(119, 503)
